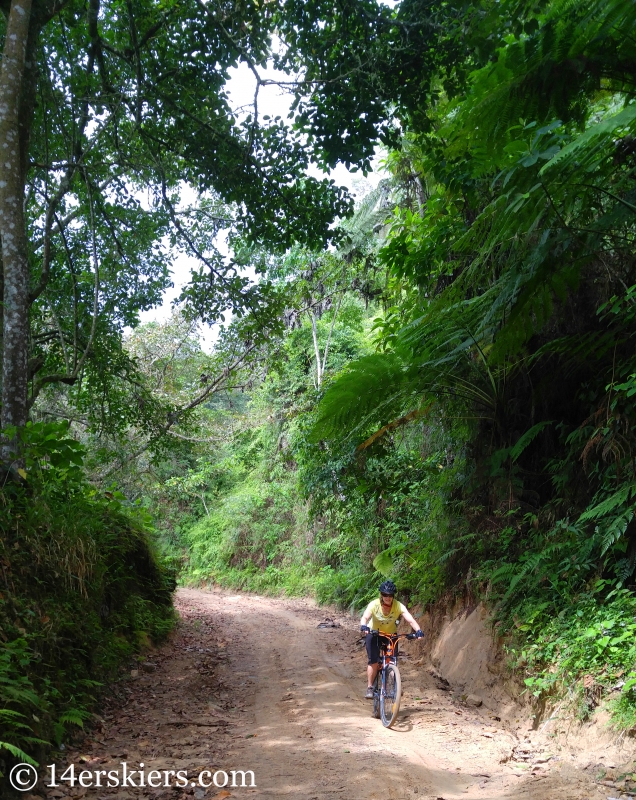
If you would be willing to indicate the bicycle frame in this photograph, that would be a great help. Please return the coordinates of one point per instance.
(388, 646)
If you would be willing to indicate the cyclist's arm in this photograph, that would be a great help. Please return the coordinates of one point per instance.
(368, 613)
(411, 620)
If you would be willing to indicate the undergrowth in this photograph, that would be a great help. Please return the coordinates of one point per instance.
(583, 651)
(81, 590)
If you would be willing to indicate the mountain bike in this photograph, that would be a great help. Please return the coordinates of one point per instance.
(387, 689)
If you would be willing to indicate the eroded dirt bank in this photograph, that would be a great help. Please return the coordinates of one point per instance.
(250, 683)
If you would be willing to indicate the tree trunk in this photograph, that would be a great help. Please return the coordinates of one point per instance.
(14, 137)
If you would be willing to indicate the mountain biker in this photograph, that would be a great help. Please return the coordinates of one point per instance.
(385, 613)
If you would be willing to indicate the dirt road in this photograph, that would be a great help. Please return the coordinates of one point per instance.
(251, 683)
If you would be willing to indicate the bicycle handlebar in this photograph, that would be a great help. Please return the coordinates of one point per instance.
(394, 636)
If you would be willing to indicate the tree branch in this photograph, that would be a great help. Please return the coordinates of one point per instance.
(333, 322)
(173, 417)
(70, 377)
(62, 224)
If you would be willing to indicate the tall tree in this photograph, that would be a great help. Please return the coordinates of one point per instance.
(17, 102)
(100, 104)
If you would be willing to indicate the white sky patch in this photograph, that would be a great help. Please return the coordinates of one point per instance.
(273, 100)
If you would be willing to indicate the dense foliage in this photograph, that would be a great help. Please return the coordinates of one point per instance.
(82, 591)
(516, 314)
(444, 393)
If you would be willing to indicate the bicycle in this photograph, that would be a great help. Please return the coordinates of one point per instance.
(387, 689)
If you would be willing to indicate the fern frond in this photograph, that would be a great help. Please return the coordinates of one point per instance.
(616, 530)
(533, 78)
(527, 438)
(611, 503)
(9, 714)
(586, 149)
(19, 753)
(74, 716)
(371, 213)
(371, 389)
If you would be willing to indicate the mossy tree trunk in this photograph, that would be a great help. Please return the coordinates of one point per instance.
(18, 83)
(13, 137)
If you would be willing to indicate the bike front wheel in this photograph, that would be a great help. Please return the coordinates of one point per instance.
(391, 696)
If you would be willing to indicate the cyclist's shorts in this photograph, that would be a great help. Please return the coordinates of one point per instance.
(373, 648)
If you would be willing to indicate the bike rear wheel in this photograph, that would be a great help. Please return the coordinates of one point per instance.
(391, 696)
(376, 696)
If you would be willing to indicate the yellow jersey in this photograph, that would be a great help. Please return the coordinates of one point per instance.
(385, 623)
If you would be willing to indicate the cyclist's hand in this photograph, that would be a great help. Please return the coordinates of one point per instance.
(365, 629)
(419, 635)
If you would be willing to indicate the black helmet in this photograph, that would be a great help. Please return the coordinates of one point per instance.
(388, 587)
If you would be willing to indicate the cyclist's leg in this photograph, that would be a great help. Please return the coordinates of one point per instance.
(373, 653)
(372, 671)
(377, 691)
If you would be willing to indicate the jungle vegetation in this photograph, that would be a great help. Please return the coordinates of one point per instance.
(436, 383)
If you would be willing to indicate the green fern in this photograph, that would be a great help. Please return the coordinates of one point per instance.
(586, 150)
(611, 503)
(18, 753)
(616, 530)
(371, 390)
(74, 716)
(526, 439)
(533, 76)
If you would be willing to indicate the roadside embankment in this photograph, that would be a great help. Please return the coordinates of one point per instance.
(470, 660)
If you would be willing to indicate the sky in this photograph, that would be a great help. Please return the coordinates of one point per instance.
(273, 101)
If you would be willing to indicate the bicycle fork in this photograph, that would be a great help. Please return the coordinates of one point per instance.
(382, 686)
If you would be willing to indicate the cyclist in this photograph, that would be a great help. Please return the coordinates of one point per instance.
(385, 614)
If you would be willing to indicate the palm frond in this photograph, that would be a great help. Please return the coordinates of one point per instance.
(369, 392)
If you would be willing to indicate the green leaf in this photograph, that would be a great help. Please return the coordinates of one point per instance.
(383, 563)
(527, 438)
(18, 753)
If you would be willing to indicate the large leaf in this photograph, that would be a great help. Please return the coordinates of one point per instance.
(383, 562)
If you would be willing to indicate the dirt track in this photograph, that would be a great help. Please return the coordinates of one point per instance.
(251, 683)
